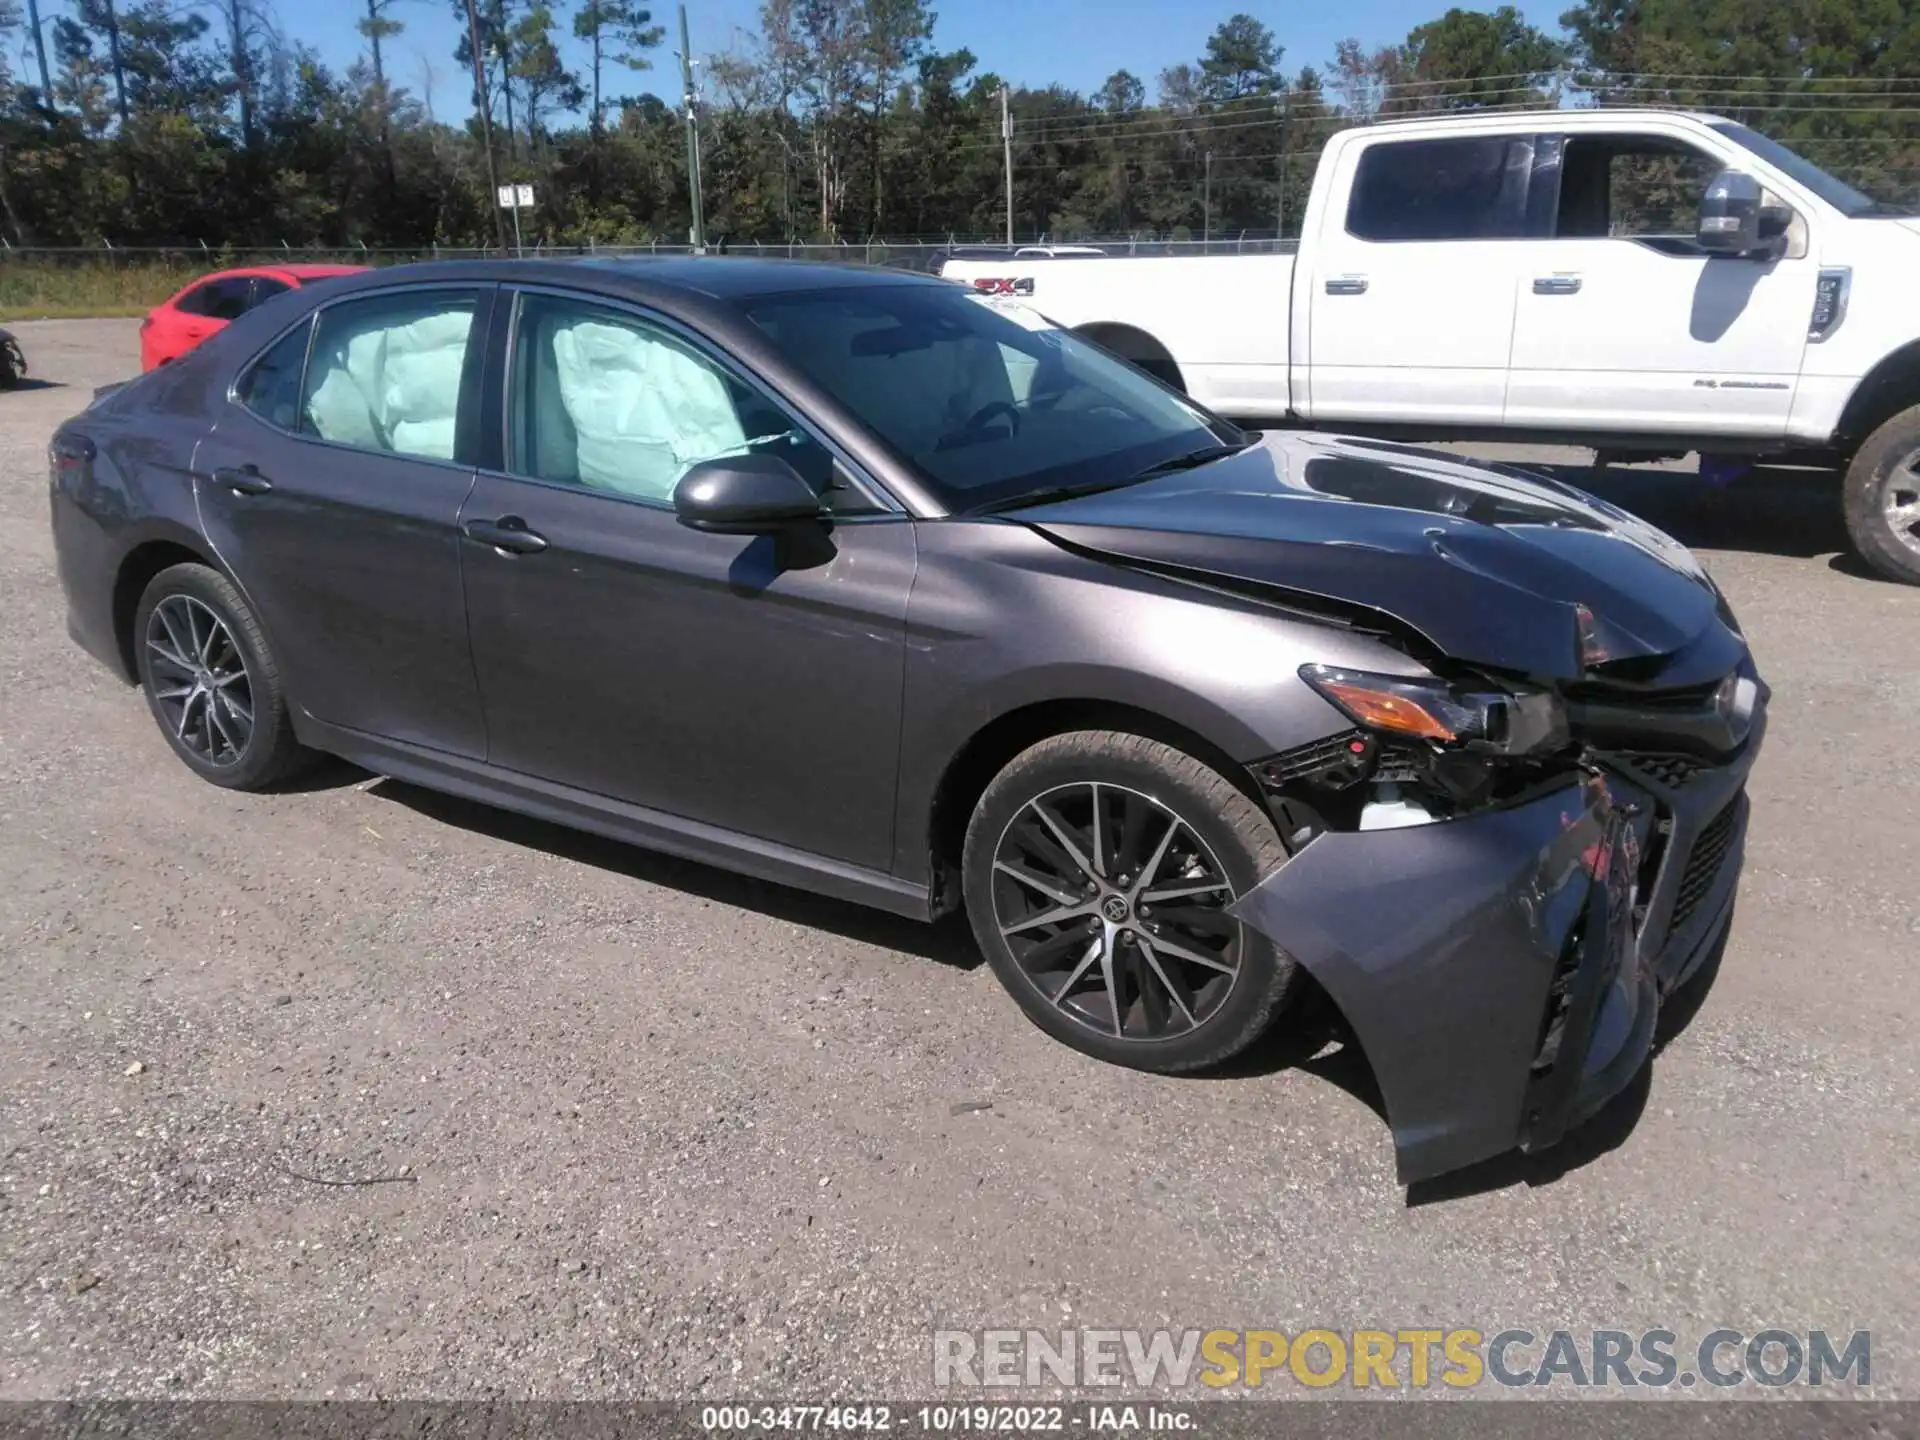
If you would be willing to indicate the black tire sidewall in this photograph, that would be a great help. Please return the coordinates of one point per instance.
(1240, 835)
(264, 758)
(1868, 475)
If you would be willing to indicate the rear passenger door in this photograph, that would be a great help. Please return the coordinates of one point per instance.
(331, 487)
(1411, 308)
(750, 682)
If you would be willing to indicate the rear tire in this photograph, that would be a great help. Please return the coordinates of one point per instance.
(1142, 934)
(1881, 496)
(211, 681)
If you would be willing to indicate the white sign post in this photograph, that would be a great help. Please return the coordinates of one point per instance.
(513, 197)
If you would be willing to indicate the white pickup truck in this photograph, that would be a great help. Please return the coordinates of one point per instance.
(1628, 280)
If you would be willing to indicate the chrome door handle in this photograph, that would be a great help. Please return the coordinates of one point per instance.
(509, 535)
(1347, 285)
(1556, 285)
(243, 480)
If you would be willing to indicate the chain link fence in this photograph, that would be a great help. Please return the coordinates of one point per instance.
(901, 254)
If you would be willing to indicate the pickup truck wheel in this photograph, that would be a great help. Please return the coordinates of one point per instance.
(1882, 498)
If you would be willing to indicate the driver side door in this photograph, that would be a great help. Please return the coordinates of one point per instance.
(749, 682)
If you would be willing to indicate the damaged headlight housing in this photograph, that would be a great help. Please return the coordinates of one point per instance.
(1476, 718)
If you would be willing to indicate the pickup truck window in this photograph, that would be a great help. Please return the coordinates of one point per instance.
(1631, 187)
(1472, 188)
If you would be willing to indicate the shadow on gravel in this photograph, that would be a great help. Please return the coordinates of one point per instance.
(1771, 510)
(31, 382)
(947, 943)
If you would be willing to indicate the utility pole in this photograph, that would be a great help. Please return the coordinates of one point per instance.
(1280, 223)
(693, 135)
(40, 54)
(485, 105)
(1006, 157)
(1206, 204)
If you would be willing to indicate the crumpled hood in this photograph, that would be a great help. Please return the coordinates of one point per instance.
(1488, 563)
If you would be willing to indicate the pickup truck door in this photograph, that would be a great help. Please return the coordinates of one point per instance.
(1622, 322)
(1411, 280)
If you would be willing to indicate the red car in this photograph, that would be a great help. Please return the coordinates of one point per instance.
(175, 326)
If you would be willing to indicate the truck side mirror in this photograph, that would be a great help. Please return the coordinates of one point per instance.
(1730, 214)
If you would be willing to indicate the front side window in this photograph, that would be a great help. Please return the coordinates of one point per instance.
(385, 372)
(1467, 189)
(265, 287)
(1631, 187)
(271, 386)
(986, 402)
(604, 400)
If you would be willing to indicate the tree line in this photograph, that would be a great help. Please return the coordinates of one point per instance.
(143, 123)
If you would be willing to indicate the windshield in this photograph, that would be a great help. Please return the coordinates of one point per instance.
(986, 400)
(1855, 204)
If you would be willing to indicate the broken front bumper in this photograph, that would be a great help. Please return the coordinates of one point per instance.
(1503, 972)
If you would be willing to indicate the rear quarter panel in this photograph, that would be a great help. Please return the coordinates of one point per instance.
(135, 490)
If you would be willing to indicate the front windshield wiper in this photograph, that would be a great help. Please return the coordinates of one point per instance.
(1192, 459)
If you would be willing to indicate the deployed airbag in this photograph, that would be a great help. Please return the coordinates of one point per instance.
(643, 409)
(393, 387)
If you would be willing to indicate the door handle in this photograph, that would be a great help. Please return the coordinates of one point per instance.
(242, 480)
(1556, 285)
(509, 535)
(1347, 285)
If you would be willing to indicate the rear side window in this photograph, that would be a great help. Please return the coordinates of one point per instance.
(265, 287)
(1473, 188)
(271, 387)
(385, 372)
(226, 299)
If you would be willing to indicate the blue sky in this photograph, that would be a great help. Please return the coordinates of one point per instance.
(1073, 42)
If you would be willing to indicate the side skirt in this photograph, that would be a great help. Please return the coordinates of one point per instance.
(630, 824)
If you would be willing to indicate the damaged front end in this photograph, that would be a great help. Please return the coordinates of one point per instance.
(1497, 884)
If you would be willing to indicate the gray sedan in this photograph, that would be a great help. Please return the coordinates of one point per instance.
(860, 582)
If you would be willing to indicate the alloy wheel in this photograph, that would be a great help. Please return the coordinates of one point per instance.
(1900, 502)
(200, 681)
(1114, 908)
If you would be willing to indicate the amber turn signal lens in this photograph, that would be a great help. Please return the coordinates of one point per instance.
(1386, 710)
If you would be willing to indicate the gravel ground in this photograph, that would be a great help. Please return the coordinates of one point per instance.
(642, 1129)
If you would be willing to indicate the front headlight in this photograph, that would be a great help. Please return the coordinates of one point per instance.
(1490, 721)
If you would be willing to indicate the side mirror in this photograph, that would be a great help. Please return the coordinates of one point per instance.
(1730, 214)
(744, 495)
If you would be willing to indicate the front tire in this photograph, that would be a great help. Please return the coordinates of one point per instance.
(1882, 498)
(1097, 870)
(211, 681)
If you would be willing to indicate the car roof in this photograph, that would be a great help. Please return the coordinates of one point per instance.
(714, 285)
(304, 271)
(742, 277)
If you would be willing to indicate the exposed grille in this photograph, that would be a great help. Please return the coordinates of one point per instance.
(1333, 758)
(1673, 771)
(1703, 865)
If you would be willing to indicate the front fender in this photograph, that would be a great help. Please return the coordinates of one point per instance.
(1221, 667)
